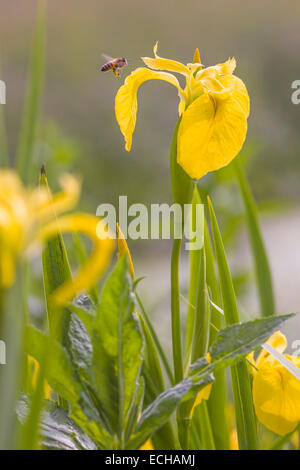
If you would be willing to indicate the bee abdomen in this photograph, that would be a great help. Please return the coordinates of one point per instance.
(105, 67)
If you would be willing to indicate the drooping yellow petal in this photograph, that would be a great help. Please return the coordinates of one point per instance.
(97, 263)
(126, 99)
(123, 248)
(211, 133)
(276, 397)
(159, 63)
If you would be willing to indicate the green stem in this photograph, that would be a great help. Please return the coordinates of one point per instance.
(175, 311)
(202, 315)
(182, 188)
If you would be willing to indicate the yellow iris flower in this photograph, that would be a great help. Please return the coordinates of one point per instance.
(28, 216)
(276, 392)
(214, 107)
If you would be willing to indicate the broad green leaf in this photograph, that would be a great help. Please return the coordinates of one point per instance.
(158, 412)
(60, 371)
(117, 348)
(84, 309)
(64, 376)
(262, 267)
(57, 430)
(234, 342)
(242, 396)
(89, 417)
(88, 412)
(80, 348)
(136, 408)
(33, 98)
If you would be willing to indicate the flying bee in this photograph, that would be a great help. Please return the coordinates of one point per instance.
(114, 64)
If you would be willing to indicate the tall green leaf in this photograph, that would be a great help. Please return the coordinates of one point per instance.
(245, 417)
(262, 267)
(33, 99)
(217, 400)
(194, 256)
(56, 271)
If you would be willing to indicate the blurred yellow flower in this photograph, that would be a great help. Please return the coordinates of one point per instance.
(34, 370)
(276, 392)
(214, 107)
(28, 217)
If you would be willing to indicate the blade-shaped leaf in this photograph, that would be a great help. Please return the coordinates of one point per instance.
(241, 387)
(262, 267)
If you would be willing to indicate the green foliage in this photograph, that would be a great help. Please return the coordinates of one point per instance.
(101, 376)
(245, 418)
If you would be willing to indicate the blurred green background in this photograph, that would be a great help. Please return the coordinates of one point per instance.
(78, 131)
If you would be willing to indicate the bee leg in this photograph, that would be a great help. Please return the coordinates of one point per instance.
(116, 72)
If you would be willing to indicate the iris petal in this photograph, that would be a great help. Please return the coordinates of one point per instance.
(126, 99)
(159, 63)
(211, 133)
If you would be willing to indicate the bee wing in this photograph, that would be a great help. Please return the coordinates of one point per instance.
(108, 58)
